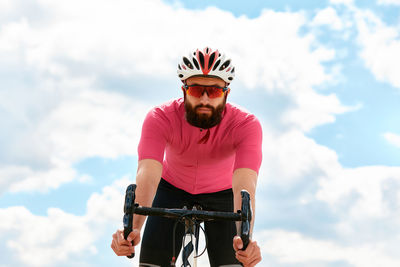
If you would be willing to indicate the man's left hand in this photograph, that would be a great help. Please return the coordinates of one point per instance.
(249, 257)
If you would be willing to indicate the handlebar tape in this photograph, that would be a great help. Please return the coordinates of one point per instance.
(246, 219)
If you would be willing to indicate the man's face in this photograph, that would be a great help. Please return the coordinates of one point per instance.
(204, 112)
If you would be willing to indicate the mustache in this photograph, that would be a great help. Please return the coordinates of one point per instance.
(204, 106)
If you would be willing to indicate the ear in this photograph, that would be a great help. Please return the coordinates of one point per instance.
(227, 93)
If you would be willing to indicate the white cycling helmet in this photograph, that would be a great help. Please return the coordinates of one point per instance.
(206, 63)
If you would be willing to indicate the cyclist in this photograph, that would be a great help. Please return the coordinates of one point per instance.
(196, 150)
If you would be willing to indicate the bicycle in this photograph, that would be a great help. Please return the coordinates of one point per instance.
(192, 219)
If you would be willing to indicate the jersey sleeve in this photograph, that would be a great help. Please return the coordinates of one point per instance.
(154, 136)
(248, 143)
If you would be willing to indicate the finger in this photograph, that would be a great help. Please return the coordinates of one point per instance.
(254, 262)
(124, 251)
(117, 248)
(237, 243)
(120, 239)
(242, 259)
(122, 247)
(246, 253)
(119, 235)
(123, 242)
(134, 236)
(249, 255)
(250, 259)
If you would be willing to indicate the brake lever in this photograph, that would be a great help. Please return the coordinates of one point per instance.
(129, 208)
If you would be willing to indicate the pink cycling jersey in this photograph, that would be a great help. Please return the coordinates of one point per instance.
(197, 160)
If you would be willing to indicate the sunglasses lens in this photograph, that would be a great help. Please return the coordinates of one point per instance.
(198, 91)
(195, 91)
(214, 92)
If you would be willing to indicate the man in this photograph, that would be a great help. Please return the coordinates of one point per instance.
(196, 150)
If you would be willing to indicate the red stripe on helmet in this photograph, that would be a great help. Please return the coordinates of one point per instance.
(206, 54)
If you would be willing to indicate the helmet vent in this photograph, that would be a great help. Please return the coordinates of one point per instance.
(211, 60)
(216, 64)
(226, 64)
(196, 64)
(179, 67)
(187, 63)
(201, 58)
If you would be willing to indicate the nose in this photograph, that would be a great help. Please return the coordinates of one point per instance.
(204, 99)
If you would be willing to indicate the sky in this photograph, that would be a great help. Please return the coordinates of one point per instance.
(78, 77)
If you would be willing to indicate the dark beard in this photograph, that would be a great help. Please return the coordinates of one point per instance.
(203, 120)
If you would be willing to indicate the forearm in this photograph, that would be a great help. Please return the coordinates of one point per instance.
(147, 179)
(244, 179)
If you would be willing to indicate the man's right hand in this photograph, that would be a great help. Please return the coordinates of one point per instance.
(124, 247)
(249, 257)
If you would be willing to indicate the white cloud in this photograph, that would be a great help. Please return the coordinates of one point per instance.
(290, 157)
(389, 2)
(94, 123)
(380, 47)
(365, 188)
(393, 139)
(39, 240)
(314, 109)
(107, 205)
(280, 59)
(85, 124)
(328, 16)
(59, 236)
(295, 248)
(5, 3)
(81, 36)
(22, 178)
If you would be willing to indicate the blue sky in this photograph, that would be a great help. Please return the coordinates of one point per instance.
(77, 79)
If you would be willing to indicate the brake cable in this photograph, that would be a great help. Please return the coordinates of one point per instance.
(181, 219)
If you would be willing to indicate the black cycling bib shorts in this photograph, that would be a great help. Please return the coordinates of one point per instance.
(156, 248)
